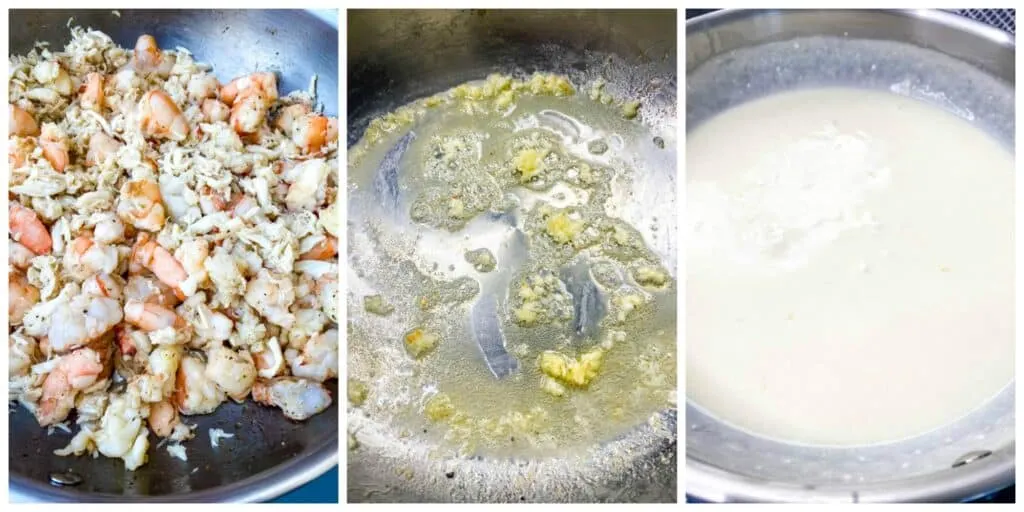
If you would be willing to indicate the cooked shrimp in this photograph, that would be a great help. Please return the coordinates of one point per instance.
(103, 285)
(156, 380)
(232, 371)
(85, 257)
(326, 249)
(149, 254)
(264, 84)
(140, 205)
(170, 229)
(147, 53)
(160, 117)
(108, 229)
(271, 296)
(194, 392)
(248, 114)
(318, 359)
(55, 147)
(192, 254)
(101, 148)
(298, 398)
(249, 97)
(150, 291)
(27, 229)
(152, 317)
(148, 58)
(202, 86)
(269, 360)
(22, 297)
(72, 373)
(81, 320)
(21, 123)
(163, 416)
(309, 133)
(287, 116)
(92, 96)
(215, 111)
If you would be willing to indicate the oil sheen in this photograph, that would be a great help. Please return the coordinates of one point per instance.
(850, 267)
(457, 193)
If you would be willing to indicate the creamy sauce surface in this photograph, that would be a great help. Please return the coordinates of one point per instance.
(850, 267)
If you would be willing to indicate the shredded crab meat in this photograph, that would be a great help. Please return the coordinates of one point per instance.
(172, 245)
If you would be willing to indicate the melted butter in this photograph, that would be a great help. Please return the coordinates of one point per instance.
(486, 171)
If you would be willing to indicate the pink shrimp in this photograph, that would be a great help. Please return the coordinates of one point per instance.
(215, 111)
(298, 398)
(140, 204)
(257, 83)
(22, 123)
(150, 291)
(151, 317)
(101, 148)
(73, 372)
(249, 97)
(248, 113)
(287, 116)
(27, 229)
(103, 285)
(326, 249)
(310, 133)
(160, 117)
(163, 417)
(148, 58)
(149, 254)
(92, 95)
(55, 148)
(22, 297)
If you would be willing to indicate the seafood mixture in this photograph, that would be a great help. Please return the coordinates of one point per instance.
(173, 244)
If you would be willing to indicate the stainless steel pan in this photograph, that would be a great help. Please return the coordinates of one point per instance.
(269, 455)
(953, 62)
(395, 57)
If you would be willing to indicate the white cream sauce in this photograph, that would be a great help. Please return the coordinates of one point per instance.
(850, 267)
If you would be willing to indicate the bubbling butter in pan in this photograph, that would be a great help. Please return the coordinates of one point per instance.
(850, 267)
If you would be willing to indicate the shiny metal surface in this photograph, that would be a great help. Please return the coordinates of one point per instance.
(958, 65)
(986, 47)
(396, 57)
(269, 455)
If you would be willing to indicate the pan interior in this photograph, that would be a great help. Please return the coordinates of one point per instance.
(422, 273)
(747, 74)
(273, 454)
(596, 433)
